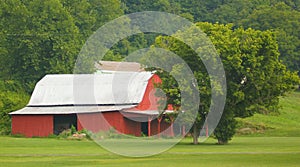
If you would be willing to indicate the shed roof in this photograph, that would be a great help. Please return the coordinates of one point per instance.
(85, 89)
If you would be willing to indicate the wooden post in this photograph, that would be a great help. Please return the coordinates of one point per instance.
(149, 126)
(158, 126)
(206, 130)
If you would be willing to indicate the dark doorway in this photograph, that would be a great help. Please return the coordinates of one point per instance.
(64, 122)
(144, 128)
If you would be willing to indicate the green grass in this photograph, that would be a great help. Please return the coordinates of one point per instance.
(242, 151)
(286, 123)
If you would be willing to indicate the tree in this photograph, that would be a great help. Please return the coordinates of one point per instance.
(83, 16)
(40, 38)
(152, 5)
(255, 76)
(285, 21)
(13, 18)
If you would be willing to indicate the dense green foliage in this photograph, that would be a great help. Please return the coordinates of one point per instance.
(276, 15)
(255, 76)
(42, 37)
(12, 97)
(45, 37)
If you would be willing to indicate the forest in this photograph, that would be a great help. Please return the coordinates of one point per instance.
(257, 39)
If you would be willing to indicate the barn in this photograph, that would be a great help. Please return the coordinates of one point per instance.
(121, 100)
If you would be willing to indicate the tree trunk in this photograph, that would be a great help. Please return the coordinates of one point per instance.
(195, 135)
(183, 131)
(172, 127)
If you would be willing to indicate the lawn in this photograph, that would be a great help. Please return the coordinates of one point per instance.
(242, 151)
(284, 123)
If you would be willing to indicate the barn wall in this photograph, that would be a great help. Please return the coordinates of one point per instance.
(115, 120)
(132, 127)
(149, 101)
(96, 122)
(91, 121)
(32, 125)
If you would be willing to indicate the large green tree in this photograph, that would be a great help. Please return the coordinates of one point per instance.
(282, 19)
(40, 37)
(255, 76)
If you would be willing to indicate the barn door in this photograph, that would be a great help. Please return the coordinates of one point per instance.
(144, 128)
(64, 122)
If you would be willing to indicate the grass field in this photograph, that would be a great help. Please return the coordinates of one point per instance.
(277, 145)
(285, 123)
(243, 151)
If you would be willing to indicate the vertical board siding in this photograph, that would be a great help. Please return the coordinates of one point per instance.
(32, 125)
(150, 101)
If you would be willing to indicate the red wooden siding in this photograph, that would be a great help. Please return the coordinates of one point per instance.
(32, 125)
(132, 127)
(115, 120)
(149, 101)
(96, 122)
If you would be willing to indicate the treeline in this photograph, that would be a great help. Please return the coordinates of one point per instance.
(39, 37)
(43, 37)
(280, 16)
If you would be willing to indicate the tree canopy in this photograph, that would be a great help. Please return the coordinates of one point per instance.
(255, 76)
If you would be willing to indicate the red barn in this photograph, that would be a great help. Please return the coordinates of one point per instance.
(96, 102)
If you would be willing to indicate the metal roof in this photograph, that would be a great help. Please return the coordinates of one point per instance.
(89, 89)
(69, 109)
(143, 112)
(119, 66)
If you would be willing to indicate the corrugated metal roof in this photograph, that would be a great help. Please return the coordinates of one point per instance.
(77, 89)
(69, 109)
(119, 66)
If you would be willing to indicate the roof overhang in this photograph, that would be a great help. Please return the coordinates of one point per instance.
(144, 113)
(33, 110)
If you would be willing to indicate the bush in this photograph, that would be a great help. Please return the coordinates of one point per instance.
(72, 134)
(65, 134)
(87, 133)
(110, 134)
(12, 98)
(73, 129)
